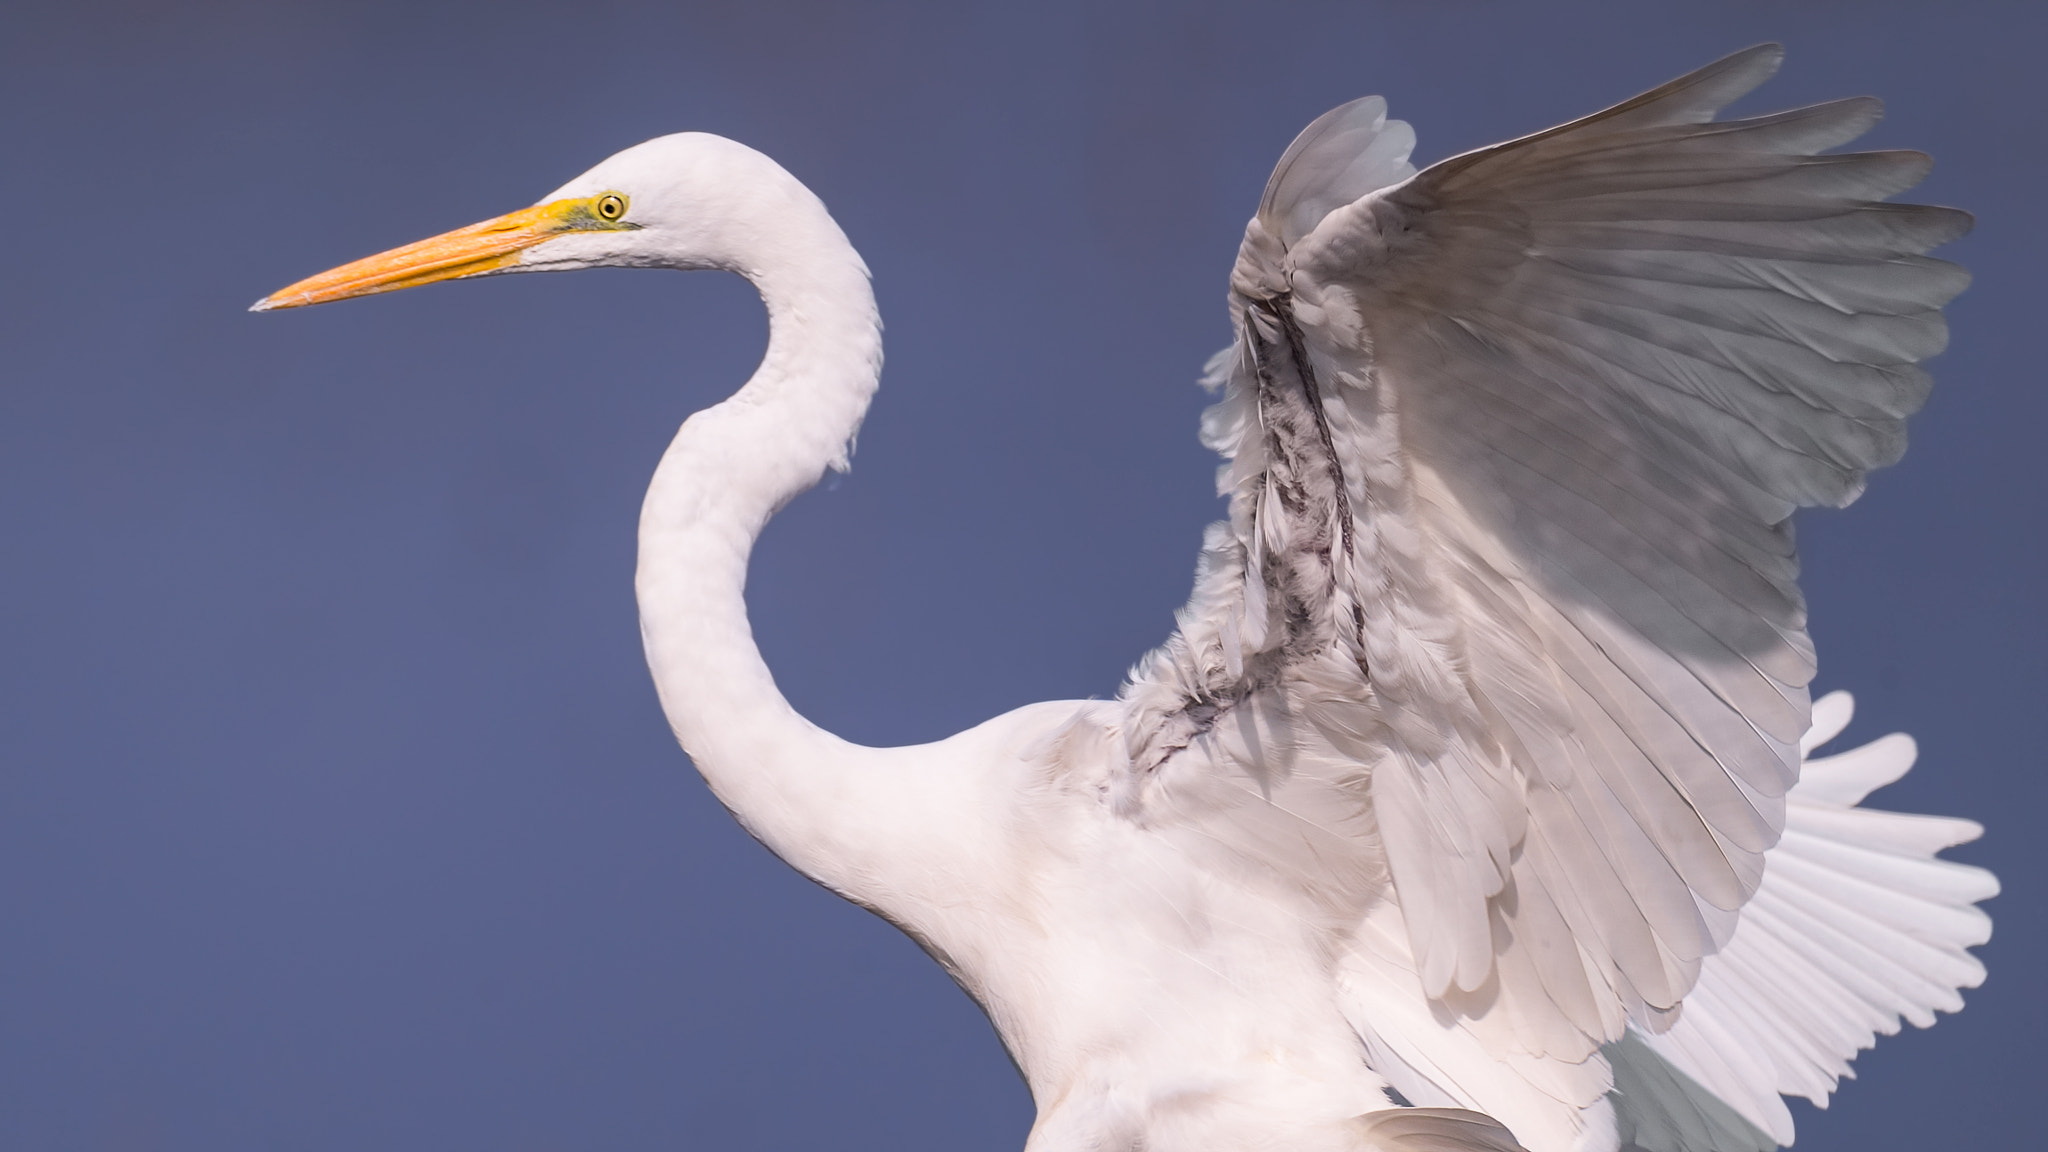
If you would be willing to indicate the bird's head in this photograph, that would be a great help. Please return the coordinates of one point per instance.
(690, 200)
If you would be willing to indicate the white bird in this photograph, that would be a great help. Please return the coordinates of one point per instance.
(1466, 808)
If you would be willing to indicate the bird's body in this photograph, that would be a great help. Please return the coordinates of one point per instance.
(1467, 800)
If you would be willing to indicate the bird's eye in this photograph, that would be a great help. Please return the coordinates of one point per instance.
(611, 206)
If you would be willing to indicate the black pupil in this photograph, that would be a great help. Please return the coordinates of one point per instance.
(609, 207)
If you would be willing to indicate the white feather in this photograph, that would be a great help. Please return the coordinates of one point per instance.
(1573, 384)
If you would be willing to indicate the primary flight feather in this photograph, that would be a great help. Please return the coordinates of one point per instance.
(1468, 807)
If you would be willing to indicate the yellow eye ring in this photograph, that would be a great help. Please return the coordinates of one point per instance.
(611, 207)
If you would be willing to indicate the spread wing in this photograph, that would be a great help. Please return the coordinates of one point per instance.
(1504, 624)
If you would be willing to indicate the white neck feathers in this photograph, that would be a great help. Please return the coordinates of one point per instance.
(728, 470)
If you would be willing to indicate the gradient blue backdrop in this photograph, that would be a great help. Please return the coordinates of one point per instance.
(336, 812)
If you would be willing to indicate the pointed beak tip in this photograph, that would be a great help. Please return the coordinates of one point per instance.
(263, 305)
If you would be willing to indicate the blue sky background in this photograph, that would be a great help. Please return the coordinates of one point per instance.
(336, 811)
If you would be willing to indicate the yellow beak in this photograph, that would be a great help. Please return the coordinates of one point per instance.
(469, 251)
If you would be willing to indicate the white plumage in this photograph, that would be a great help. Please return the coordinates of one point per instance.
(1467, 807)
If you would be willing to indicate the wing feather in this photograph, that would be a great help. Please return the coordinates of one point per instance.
(1509, 581)
(1857, 926)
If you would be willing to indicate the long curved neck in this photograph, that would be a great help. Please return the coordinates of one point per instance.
(728, 470)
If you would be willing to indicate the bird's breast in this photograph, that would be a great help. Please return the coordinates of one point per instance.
(1147, 996)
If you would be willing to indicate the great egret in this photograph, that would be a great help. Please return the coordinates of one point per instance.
(1466, 808)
